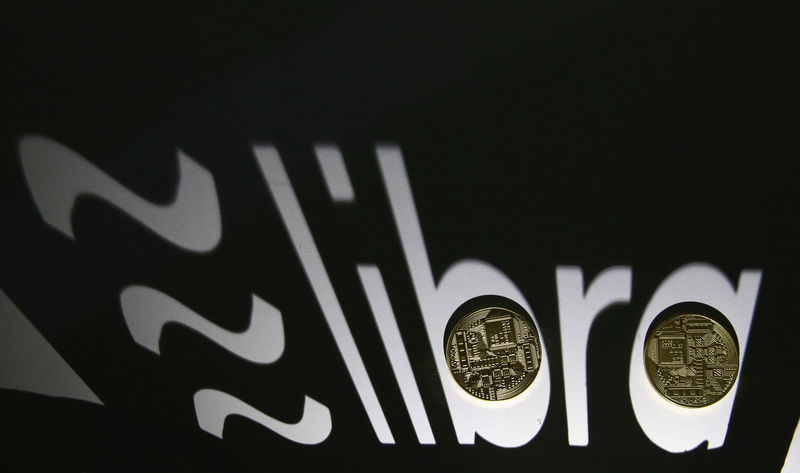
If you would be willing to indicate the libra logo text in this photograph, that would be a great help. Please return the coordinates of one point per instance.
(57, 175)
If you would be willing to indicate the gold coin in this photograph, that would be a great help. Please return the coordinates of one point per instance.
(493, 353)
(691, 359)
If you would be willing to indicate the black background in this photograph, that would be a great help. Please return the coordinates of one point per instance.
(592, 133)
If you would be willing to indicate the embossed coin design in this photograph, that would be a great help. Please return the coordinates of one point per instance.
(691, 360)
(493, 353)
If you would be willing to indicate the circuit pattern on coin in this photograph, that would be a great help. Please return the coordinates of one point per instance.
(493, 353)
(691, 360)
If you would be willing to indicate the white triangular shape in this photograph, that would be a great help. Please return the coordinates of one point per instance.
(29, 363)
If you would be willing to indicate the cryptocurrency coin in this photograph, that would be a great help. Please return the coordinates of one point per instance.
(691, 359)
(493, 353)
